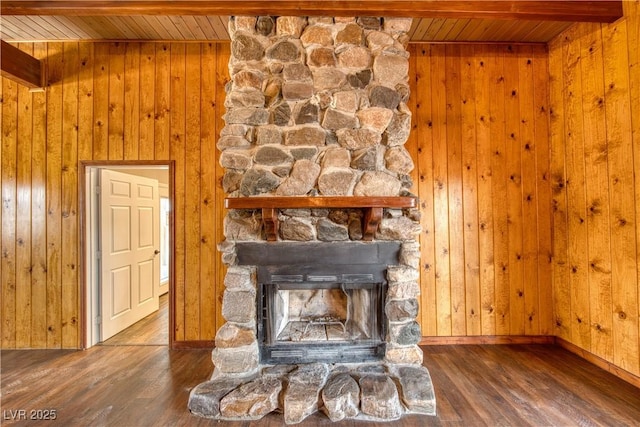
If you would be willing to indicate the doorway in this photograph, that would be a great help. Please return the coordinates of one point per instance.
(127, 225)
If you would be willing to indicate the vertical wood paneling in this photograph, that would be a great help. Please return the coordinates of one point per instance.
(499, 194)
(54, 195)
(424, 163)
(576, 214)
(455, 253)
(561, 290)
(621, 183)
(487, 135)
(208, 164)
(483, 60)
(101, 101)
(8, 187)
(147, 110)
(595, 115)
(440, 190)
(529, 197)
(470, 192)
(85, 100)
(131, 132)
(514, 191)
(116, 101)
(39, 214)
(23, 213)
(69, 251)
(597, 191)
(193, 174)
(177, 154)
(543, 189)
(162, 100)
(632, 12)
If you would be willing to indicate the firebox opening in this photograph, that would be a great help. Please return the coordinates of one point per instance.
(341, 322)
(324, 314)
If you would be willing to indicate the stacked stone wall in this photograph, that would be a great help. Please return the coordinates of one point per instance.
(316, 106)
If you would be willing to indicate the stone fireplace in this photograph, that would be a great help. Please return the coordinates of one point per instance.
(321, 235)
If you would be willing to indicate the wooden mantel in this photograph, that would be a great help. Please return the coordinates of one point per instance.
(372, 206)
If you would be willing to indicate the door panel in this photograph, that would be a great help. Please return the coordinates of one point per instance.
(120, 288)
(130, 239)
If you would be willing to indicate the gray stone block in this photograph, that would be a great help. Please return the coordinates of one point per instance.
(252, 400)
(341, 397)
(379, 397)
(204, 399)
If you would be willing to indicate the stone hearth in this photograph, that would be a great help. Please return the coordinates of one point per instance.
(316, 109)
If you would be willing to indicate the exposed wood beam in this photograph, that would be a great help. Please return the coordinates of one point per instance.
(20, 67)
(550, 10)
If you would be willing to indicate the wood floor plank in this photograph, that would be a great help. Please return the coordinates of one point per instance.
(474, 385)
(152, 330)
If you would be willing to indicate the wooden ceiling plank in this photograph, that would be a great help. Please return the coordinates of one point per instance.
(578, 10)
(454, 33)
(135, 23)
(502, 30)
(545, 31)
(422, 28)
(475, 29)
(181, 25)
(444, 30)
(105, 27)
(27, 23)
(412, 30)
(220, 25)
(169, 25)
(70, 27)
(520, 31)
(8, 30)
(86, 23)
(158, 28)
(52, 31)
(434, 28)
(194, 27)
(20, 67)
(205, 26)
(123, 28)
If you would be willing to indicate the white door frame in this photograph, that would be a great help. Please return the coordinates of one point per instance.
(88, 174)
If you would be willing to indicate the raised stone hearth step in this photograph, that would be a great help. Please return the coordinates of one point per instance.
(373, 392)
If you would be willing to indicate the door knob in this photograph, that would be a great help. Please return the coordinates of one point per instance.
(156, 252)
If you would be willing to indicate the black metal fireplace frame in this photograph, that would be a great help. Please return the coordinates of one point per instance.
(318, 265)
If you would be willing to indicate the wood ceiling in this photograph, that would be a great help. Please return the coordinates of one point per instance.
(434, 20)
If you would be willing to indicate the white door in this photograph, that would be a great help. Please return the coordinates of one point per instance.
(130, 243)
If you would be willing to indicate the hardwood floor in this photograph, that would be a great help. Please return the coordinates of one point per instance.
(152, 330)
(475, 385)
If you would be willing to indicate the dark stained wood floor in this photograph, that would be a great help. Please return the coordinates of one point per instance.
(475, 385)
(152, 330)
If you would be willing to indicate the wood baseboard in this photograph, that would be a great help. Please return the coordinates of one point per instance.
(600, 362)
(493, 340)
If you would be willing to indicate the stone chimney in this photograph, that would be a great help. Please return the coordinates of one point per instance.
(316, 106)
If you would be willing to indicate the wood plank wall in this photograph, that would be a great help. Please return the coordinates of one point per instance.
(595, 166)
(108, 101)
(480, 144)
